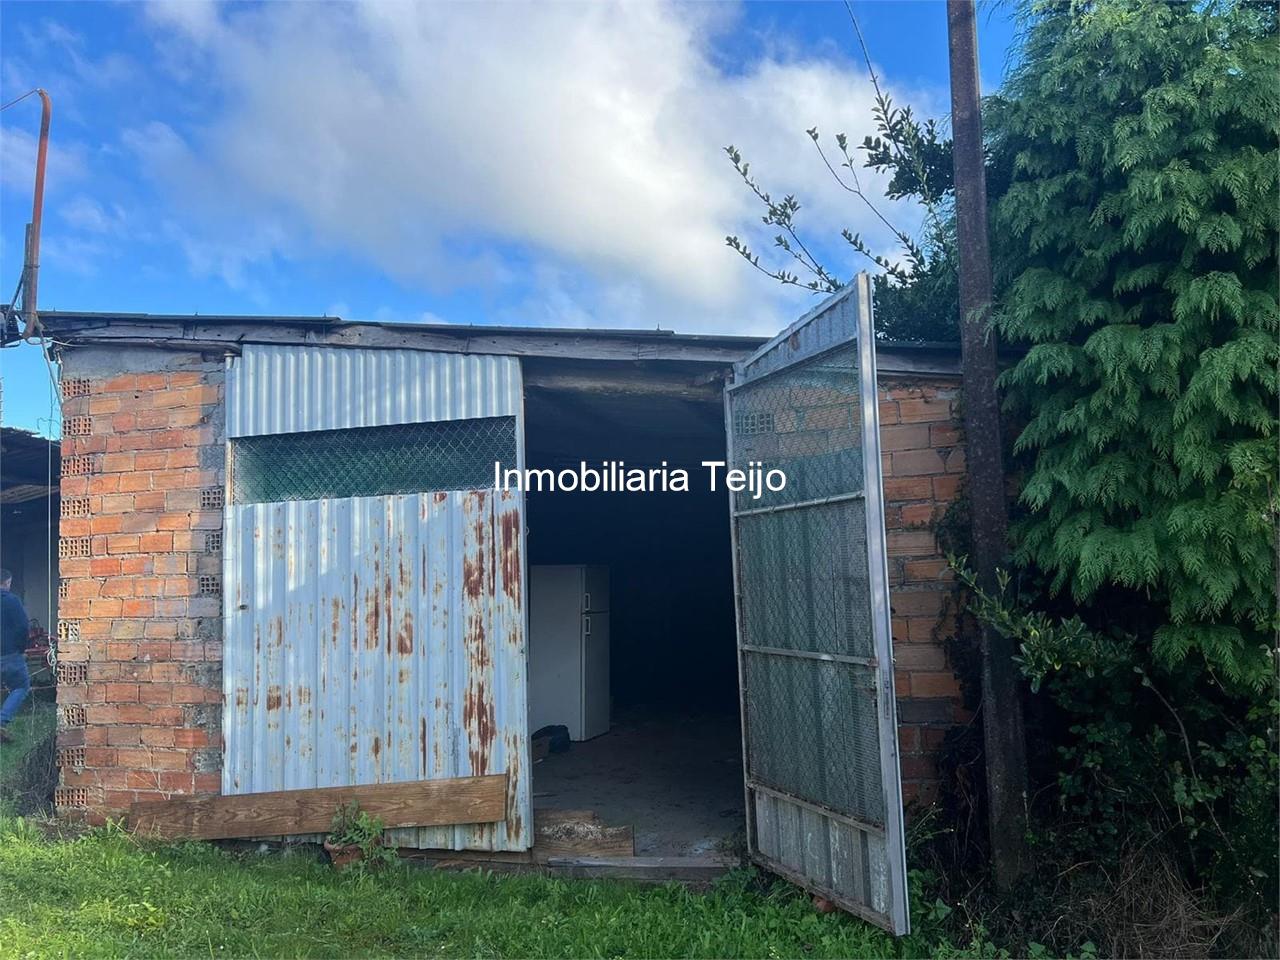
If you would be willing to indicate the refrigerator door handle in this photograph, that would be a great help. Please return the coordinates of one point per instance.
(586, 621)
(586, 601)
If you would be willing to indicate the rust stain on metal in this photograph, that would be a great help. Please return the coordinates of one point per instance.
(337, 617)
(304, 695)
(509, 556)
(441, 496)
(355, 602)
(404, 636)
(386, 605)
(372, 611)
(422, 741)
(377, 747)
(288, 698)
(273, 697)
(277, 628)
(242, 696)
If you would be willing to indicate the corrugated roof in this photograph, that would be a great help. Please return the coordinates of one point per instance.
(229, 332)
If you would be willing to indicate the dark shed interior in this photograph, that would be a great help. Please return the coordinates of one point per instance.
(670, 764)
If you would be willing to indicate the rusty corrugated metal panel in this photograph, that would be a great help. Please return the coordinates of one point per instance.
(377, 639)
(274, 389)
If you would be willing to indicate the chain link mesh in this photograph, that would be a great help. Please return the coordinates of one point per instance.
(812, 723)
(806, 422)
(371, 461)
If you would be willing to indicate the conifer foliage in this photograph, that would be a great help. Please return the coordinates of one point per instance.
(1137, 238)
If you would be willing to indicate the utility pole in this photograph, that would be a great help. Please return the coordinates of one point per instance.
(1003, 737)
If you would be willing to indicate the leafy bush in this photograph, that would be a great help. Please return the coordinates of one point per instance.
(352, 826)
(1150, 754)
(1139, 229)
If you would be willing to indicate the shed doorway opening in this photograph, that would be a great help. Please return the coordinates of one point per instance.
(632, 640)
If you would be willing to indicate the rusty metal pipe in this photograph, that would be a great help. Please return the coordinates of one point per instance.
(32, 267)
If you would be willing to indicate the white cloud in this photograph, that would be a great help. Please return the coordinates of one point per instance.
(430, 139)
(63, 164)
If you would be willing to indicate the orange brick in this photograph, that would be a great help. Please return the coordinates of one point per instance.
(105, 524)
(104, 608)
(117, 587)
(121, 651)
(157, 736)
(136, 481)
(155, 542)
(934, 684)
(138, 608)
(911, 543)
(74, 527)
(152, 460)
(150, 501)
(135, 565)
(944, 434)
(918, 514)
(929, 570)
(120, 692)
(185, 417)
(946, 488)
(917, 603)
(907, 488)
(911, 463)
(920, 411)
(153, 419)
(190, 738)
(919, 656)
(117, 462)
(913, 436)
(108, 483)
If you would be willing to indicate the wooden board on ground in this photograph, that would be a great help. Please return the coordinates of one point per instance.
(556, 833)
(419, 803)
(644, 869)
(578, 833)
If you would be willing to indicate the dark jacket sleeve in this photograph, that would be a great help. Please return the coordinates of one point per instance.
(15, 625)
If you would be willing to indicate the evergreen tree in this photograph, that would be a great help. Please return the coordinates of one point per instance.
(1137, 241)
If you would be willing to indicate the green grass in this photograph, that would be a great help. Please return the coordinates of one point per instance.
(105, 894)
(28, 730)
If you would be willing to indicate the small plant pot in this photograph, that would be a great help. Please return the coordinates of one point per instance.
(343, 855)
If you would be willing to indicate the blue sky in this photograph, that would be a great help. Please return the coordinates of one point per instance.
(556, 164)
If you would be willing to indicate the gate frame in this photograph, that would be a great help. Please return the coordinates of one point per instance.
(897, 920)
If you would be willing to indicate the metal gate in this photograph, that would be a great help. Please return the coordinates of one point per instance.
(823, 791)
(374, 622)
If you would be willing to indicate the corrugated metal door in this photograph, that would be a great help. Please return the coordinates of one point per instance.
(824, 804)
(373, 580)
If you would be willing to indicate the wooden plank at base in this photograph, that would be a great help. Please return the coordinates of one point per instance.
(419, 803)
(645, 869)
(578, 833)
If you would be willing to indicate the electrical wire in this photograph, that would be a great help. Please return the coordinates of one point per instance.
(29, 93)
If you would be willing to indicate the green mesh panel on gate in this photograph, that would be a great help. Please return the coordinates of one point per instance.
(806, 422)
(371, 461)
(809, 678)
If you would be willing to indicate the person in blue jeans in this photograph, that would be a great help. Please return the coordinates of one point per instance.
(15, 628)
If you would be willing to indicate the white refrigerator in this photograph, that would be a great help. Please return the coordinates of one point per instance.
(569, 649)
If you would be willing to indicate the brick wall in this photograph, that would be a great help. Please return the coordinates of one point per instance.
(923, 455)
(139, 688)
